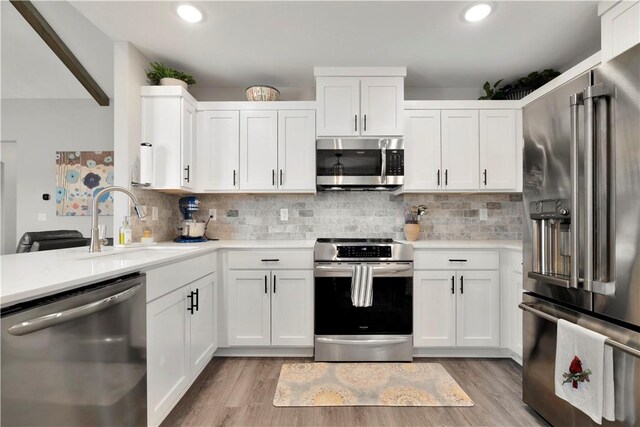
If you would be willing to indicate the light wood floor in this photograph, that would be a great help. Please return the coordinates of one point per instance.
(239, 392)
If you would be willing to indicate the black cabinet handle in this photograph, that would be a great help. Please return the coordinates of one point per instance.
(453, 285)
(197, 293)
(461, 284)
(265, 284)
(280, 176)
(234, 177)
(446, 177)
(187, 169)
(273, 177)
(274, 283)
(438, 178)
(485, 176)
(190, 308)
(457, 260)
(270, 259)
(365, 122)
(356, 123)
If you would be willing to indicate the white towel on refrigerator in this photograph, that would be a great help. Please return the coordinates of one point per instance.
(595, 396)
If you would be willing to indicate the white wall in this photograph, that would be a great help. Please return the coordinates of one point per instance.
(8, 196)
(309, 93)
(129, 75)
(41, 127)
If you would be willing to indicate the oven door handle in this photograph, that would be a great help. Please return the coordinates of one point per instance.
(371, 342)
(326, 270)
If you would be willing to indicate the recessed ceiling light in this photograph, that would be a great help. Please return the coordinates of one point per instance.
(189, 13)
(477, 12)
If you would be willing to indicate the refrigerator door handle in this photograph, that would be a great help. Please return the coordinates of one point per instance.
(575, 101)
(591, 161)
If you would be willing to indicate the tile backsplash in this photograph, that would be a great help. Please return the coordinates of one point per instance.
(168, 215)
(352, 214)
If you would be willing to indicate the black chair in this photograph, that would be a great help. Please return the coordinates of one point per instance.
(34, 241)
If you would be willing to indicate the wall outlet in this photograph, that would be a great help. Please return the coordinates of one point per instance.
(42, 217)
(154, 213)
(284, 214)
(212, 214)
(483, 214)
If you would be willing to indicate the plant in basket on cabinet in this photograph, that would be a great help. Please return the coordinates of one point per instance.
(412, 216)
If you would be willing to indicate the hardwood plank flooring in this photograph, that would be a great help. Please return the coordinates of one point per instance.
(239, 392)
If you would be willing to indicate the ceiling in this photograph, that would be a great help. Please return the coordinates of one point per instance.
(31, 70)
(241, 43)
(278, 43)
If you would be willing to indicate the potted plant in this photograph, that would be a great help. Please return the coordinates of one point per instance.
(521, 87)
(160, 74)
(412, 221)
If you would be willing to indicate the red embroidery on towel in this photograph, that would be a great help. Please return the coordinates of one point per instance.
(576, 374)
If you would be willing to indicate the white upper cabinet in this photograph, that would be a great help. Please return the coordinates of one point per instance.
(258, 149)
(169, 125)
(296, 150)
(422, 153)
(381, 103)
(498, 150)
(460, 151)
(367, 104)
(218, 147)
(620, 28)
(338, 106)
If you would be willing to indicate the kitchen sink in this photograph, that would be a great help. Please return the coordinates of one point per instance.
(134, 253)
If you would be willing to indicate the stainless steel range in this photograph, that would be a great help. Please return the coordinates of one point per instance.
(380, 332)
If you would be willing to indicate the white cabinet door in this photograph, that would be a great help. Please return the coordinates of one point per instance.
(620, 29)
(338, 100)
(460, 149)
(381, 104)
(516, 279)
(297, 150)
(202, 323)
(292, 308)
(498, 150)
(434, 309)
(249, 308)
(478, 309)
(161, 127)
(218, 148)
(422, 150)
(168, 344)
(188, 142)
(258, 150)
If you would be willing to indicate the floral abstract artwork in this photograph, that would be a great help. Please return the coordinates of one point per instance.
(80, 175)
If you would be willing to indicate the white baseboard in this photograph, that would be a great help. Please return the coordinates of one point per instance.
(461, 352)
(263, 352)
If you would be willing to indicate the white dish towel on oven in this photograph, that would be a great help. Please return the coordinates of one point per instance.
(362, 285)
(596, 396)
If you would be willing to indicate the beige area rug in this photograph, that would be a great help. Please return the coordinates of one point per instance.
(368, 384)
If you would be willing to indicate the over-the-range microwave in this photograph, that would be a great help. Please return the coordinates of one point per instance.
(359, 164)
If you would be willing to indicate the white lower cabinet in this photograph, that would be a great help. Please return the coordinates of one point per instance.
(181, 335)
(270, 307)
(512, 290)
(456, 308)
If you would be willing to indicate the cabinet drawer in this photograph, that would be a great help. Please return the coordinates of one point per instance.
(165, 279)
(456, 260)
(273, 260)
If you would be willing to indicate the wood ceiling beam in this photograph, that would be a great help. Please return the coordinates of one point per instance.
(55, 43)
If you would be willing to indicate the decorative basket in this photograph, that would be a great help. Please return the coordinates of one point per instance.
(519, 94)
(262, 93)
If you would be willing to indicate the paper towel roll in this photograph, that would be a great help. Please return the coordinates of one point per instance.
(146, 163)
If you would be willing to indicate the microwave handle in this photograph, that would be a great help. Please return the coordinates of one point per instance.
(383, 153)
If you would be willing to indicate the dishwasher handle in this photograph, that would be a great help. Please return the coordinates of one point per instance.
(53, 319)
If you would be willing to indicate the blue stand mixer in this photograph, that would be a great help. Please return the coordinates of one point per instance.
(191, 230)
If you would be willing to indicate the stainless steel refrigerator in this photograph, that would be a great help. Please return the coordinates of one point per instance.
(582, 231)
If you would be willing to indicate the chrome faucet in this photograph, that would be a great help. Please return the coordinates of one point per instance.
(96, 245)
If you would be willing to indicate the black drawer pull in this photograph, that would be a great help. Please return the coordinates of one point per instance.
(270, 260)
(461, 285)
(457, 260)
(265, 284)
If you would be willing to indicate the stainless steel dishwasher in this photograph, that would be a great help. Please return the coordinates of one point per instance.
(77, 358)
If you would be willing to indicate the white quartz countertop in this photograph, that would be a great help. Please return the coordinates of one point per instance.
(466, 244)
(37, 274)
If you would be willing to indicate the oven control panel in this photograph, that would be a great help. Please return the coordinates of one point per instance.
(373, 251)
